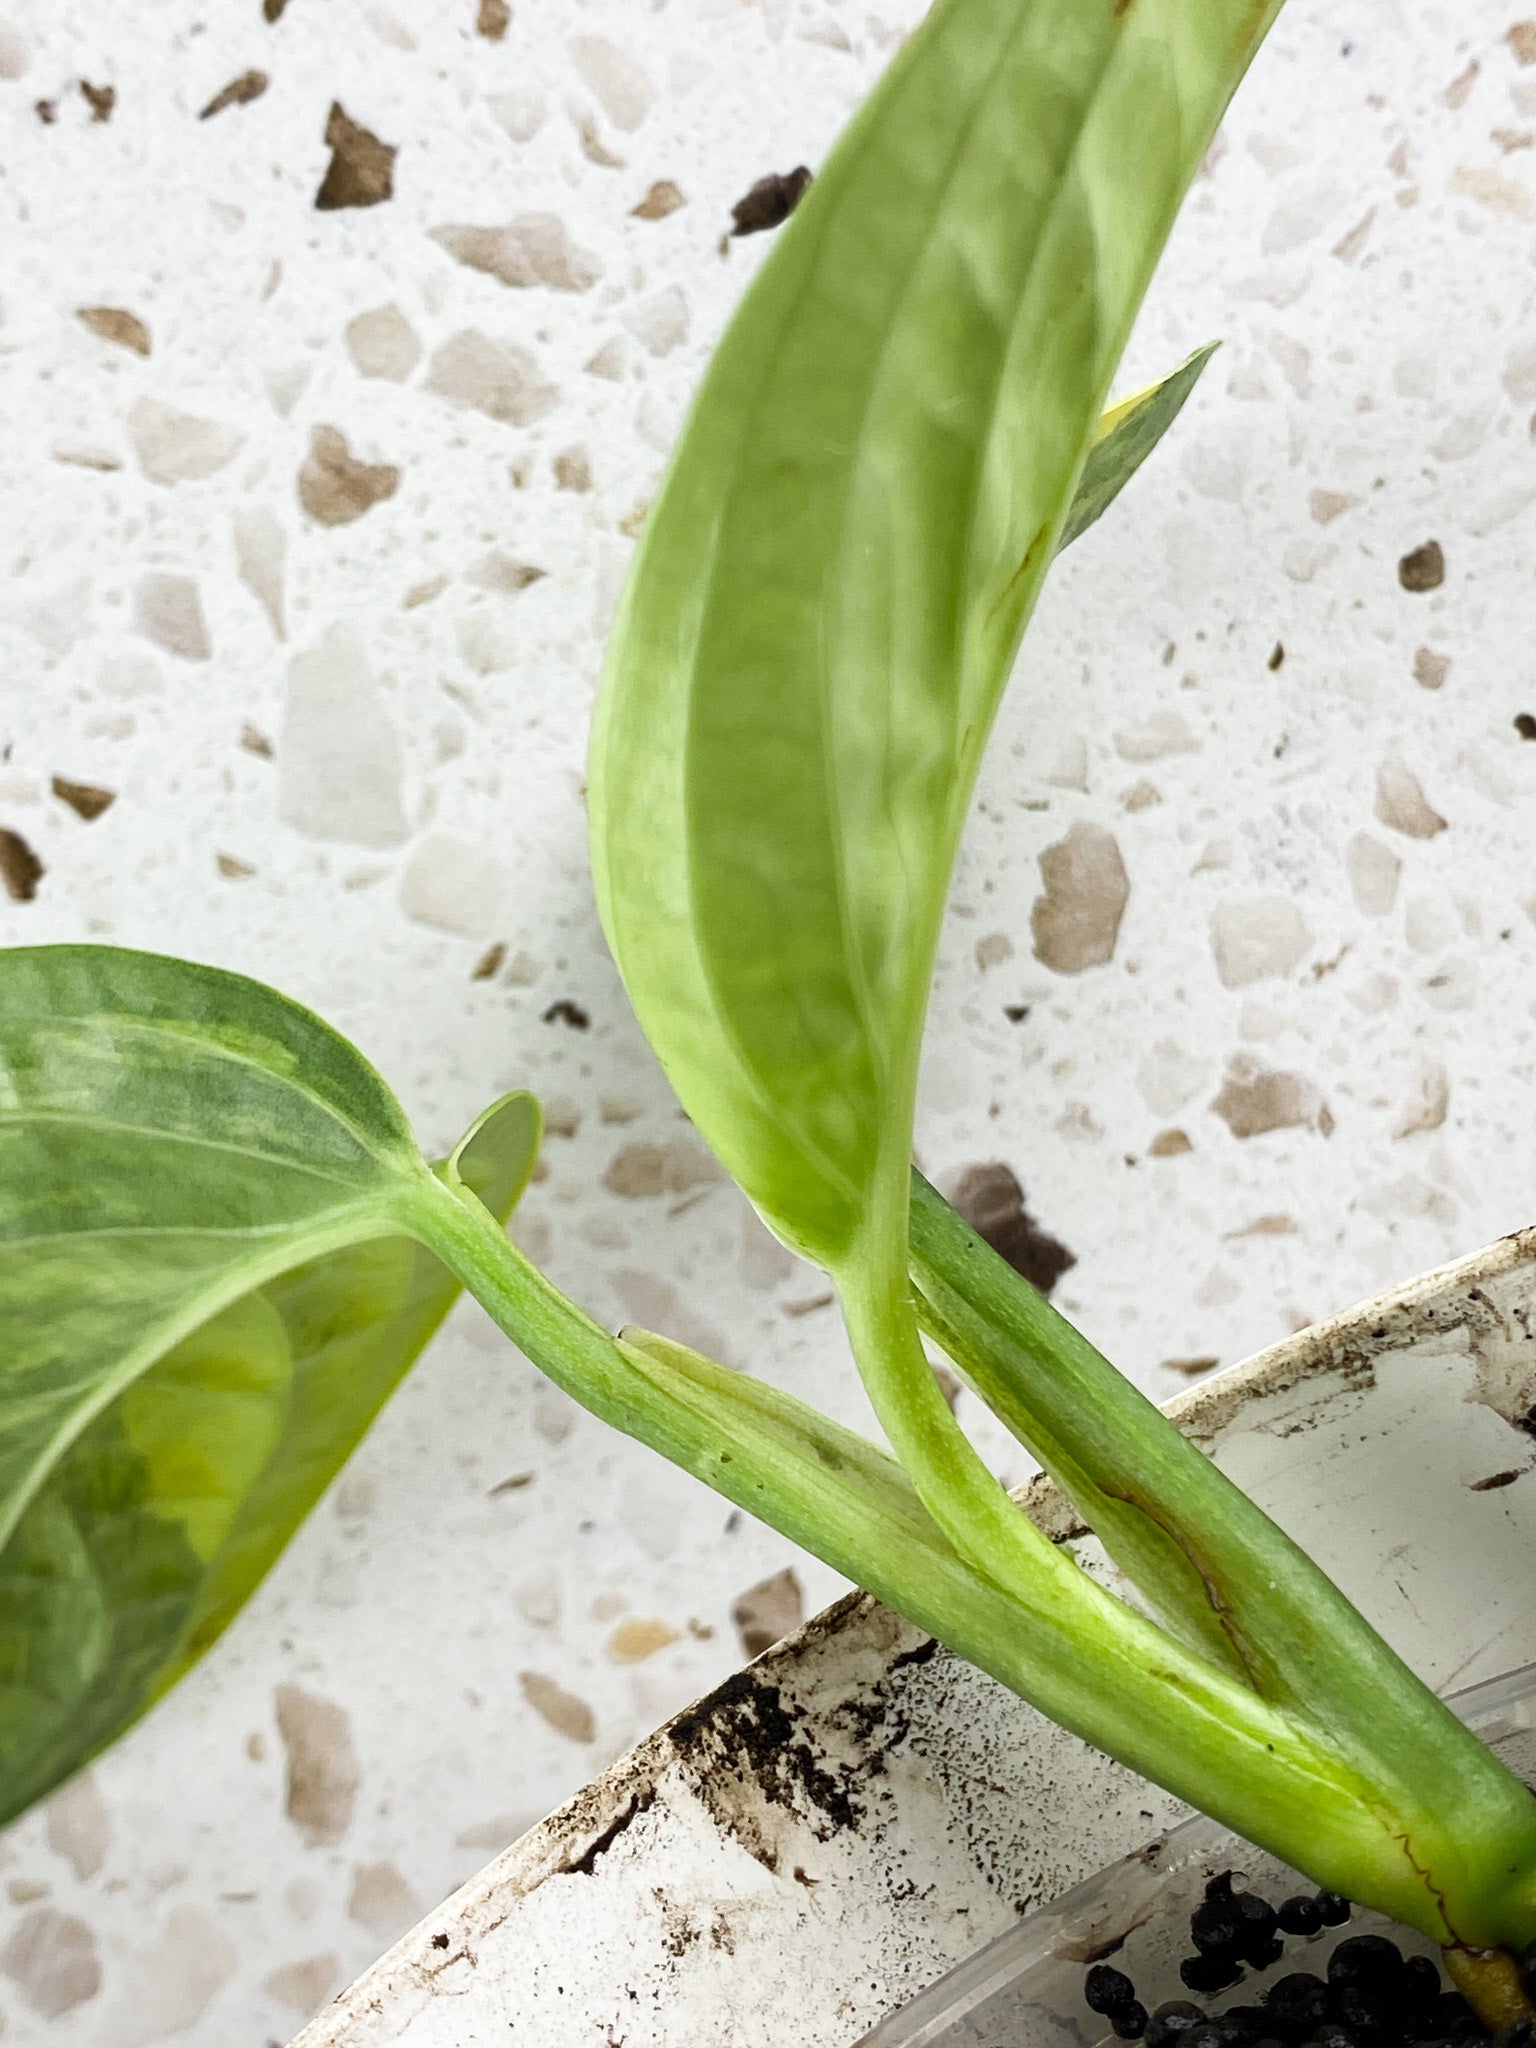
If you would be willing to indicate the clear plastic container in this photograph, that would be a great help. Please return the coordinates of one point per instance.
(1025, 1989)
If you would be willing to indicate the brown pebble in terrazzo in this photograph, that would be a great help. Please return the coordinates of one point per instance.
(304, 1986)
(1255, 1099)
(168, 609)
(663, 198)
(768, 1611)
(1430, 669)
(1401, 802)
(334, 487)
(116, 323)
(20, 868)
(1422, 568)
(638, 1638)
(382, 343)
(47, 111)
(323, 1771)
(1521, 38)
(361, 171)
(1276, 1224)
(86, 799)
(492, 19)
(101, 99)
(52, 1960)
(1076, 923)
(233, 869)
(176, 447)
(382, 1900)
(534, 249)
(562, 1710)
(488, 965)
(255, 741)
(1191, 1368)
(239, 92)
(573, 472)
(272, 10)
(567, 1012)
(1525, 725)
(991, 1200)
(639, 1170)
(1169, 1145)
(79, 1825)
(770, 201)
(1428, 1103)
(496, 378)
(1277, 657)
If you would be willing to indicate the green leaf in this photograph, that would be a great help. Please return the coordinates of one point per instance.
(832, 583)
(1125, 437)
(206, 1293)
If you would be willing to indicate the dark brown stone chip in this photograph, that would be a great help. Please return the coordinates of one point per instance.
(992, 1202)
(239, 92)
(362, 169)
(1422, 568)
(770, 201)
(20, 868)
(101, 99)
(86, 799)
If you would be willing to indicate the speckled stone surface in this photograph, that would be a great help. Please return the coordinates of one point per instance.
(313, 520)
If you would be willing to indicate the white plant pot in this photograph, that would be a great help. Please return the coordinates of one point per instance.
(857, 1811)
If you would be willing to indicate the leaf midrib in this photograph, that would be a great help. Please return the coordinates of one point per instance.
(161, 1134)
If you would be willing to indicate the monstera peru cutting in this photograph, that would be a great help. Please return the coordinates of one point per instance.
(220, 1247)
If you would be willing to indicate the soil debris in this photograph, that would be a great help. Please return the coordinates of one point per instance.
(101, 99)
(771, 201)
(488, 966)
(361, 171)
(991, 1200)
(567, 1012)
(239, 92)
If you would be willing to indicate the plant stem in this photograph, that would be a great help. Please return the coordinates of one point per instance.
(1062, 1642)
(1489, 1980)
(1183, 1531)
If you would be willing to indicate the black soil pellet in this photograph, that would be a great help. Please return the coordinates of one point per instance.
(1107, 1990)
(1208, 1973)
(1374, 1996)
(1421, 1980)
(1300, 1915)
(1171, 2021)
(1298, 2005)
